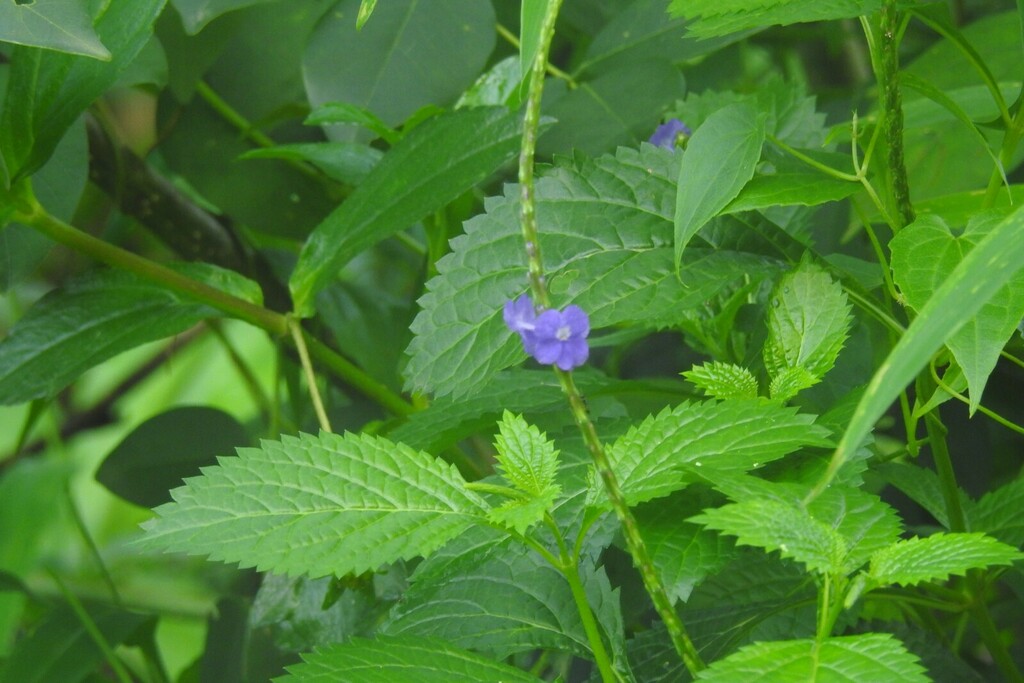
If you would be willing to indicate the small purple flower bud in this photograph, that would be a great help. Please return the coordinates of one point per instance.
(553, 337)
(669, 134)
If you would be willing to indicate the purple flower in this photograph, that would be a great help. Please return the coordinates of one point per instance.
(670, 134)
(521, 318)
(553, 337)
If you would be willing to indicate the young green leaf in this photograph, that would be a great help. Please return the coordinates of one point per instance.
(723, 380)
(716, 18)
(923, 255)
(719, 160)
(64, 26)
(95, 317)
(867, 658)
(400, 659)
(366, 8)
(433, 165)
(773, 525)
(789, 382)
(318, 505)
(723, 436)
(525, 457)
(606, 241)
(808, 321)
(935, 557)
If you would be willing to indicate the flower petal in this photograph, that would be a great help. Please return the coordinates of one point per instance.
(577, 320)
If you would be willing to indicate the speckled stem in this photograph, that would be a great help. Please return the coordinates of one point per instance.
(538, 286)
(892, 106)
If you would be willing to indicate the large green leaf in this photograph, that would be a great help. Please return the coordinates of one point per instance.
(606, 232)
(728, 436)
(167, 448)
(808, 321)
(317, 506)
(433, 165)
(683, 553)
(718, 18)
(95, 317)
(491, 596)
(935, 557)
(923, 255)
(389, 659)
(982, 273)
(52, 89)
(618, 107)
(922, 486)
(773, 525)
(400, 61)
(867, 658)
(719, 160)
(640, 32)
(196, 14)
(62, 25)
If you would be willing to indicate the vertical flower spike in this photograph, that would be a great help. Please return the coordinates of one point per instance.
(670, 134)
(553, 337)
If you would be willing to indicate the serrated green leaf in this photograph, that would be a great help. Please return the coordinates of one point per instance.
(725, 436)
(865, 522)
(718, 18)
(346, 162)
(491, 595)
(808, 321)
(723, 380)
(935, 557)
(165, 449)
(683, 553)
(196, 14)
(95, 317)
(998, 513)
(317, 506)
(62, 25)
(433, 165)
(772, 525)
(923, 255)
(525, 457)
(789, 382)
(520, 514)
(720, 159)
(53, 88)
(390, 659)
(867, 658)
(606, 232)
(402, 60)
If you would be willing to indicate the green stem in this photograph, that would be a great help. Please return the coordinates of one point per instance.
(944, 468)
(892, 106)
(550, 68)
(93, 630)
(538, 286)
(993, 641)
(569, 567)
(276, 324)
(307, 367)
(94, 550)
